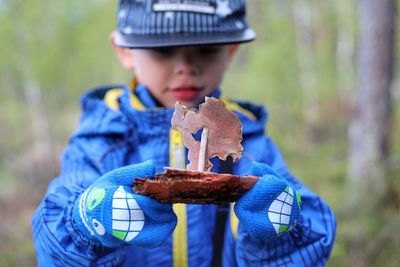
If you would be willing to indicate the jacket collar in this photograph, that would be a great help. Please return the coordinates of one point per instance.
(140, 112)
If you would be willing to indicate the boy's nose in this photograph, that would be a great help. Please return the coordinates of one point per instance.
(185, 64)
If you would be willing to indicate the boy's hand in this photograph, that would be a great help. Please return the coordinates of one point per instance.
(111, 214)
(271, 208)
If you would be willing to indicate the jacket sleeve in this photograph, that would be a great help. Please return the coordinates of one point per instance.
(311, 241)
(56, 240)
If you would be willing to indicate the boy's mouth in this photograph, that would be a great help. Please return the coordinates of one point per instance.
(186, 93)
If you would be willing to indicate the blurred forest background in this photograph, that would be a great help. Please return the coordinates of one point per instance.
(304, 66)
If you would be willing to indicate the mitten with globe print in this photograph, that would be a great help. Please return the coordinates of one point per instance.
(271, 208)
(111, 214)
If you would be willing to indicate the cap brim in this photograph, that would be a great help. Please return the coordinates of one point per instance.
(184, 39)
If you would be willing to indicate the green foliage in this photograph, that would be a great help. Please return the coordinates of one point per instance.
(62, 46)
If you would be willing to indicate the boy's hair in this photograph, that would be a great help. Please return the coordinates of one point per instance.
(160, 23)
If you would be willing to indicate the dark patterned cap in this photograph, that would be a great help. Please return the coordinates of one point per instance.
(160, 23)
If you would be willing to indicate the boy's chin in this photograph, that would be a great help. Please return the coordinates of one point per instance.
(190, 103)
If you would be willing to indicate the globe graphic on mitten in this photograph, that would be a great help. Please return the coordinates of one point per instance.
(127, 216)
(280, 211)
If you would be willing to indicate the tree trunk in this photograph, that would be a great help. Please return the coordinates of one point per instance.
(345, 46)
(370, 127)
(41, 152)
(303, 17)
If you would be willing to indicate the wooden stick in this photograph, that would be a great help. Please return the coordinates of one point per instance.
(203, 150)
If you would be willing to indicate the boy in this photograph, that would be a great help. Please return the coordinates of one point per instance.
(179, 51)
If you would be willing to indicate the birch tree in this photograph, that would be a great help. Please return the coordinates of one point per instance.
(370, 128)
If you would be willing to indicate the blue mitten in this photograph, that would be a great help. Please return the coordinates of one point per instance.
(110, 213)
(271, 208)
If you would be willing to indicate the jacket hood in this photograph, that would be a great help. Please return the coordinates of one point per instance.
(97, 117)
(126, 113)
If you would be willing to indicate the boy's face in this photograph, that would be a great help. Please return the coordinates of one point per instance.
(185, 74)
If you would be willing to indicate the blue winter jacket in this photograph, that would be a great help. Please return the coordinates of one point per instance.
(117, 133)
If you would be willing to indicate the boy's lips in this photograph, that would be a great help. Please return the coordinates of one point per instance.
(186, 92)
